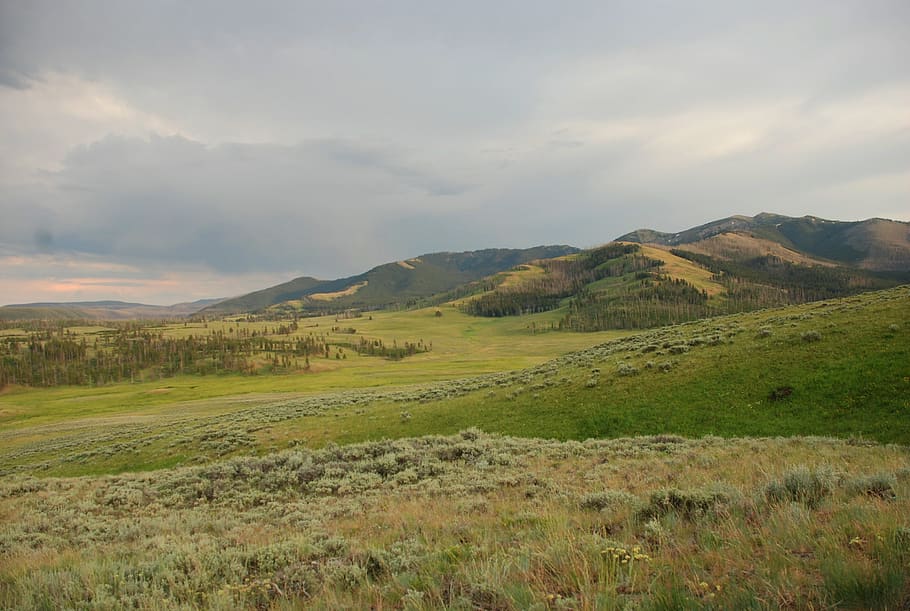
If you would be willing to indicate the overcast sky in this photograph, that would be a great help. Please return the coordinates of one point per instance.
(166, 151)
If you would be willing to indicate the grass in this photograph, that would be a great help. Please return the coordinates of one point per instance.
(462, 346)
(726, 463)
(721, 376)
(468, 521)
(677, 267)
(852, 383)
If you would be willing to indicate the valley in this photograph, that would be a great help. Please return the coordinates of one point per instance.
(720, 424)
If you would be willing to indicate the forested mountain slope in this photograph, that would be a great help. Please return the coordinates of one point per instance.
(873, 244)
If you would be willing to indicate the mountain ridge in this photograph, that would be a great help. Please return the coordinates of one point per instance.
(875, 244)
(395, 282)
(649, 278)
(106, 309)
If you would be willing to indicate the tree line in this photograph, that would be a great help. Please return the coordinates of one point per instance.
(53, 359)
(55, 356)
(395, 352)
(651, 300)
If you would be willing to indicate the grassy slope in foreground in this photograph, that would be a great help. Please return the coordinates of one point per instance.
(475, 522)
(845, 362)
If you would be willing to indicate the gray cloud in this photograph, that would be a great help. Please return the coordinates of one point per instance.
(12, 79)
(322, 138)
(233, 207)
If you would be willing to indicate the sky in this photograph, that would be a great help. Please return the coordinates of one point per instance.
(168, 151)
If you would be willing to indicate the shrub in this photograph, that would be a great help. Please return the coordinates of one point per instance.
(687, 503)
(625, 369)
(608, 499)
(880, 485)
(346, 576)
(781, 392)
(802, 485)
(471, 434)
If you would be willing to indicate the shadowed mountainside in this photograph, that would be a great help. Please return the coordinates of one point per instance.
(388, 284)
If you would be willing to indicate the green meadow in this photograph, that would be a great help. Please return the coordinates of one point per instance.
(461, 346)
(836, 368)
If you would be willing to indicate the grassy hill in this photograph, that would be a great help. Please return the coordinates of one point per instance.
(399, 282)
(665, 482)
(835, 368)
(873, 244)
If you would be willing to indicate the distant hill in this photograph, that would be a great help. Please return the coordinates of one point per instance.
(392, 283)
(874, 244)
(100, 310)
(261, 299)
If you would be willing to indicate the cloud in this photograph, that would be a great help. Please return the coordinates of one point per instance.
(232, 207)
(12, 79)
(323, 138)
(79, 277)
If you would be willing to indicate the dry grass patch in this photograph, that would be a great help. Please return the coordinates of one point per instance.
(337, 294)
(677, 267)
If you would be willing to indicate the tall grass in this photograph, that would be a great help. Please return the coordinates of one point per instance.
(472, 521)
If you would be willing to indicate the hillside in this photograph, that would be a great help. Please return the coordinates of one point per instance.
(837, 367)
(258, 300)
(648, 278)
(874, 244)
(392, 283)
(629, 285)
(711, 464)
(101, 310)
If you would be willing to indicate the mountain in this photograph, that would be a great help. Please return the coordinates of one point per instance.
(393, 283)
(101, 310)
(648, 278)
(728, 265)
(875, 244)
